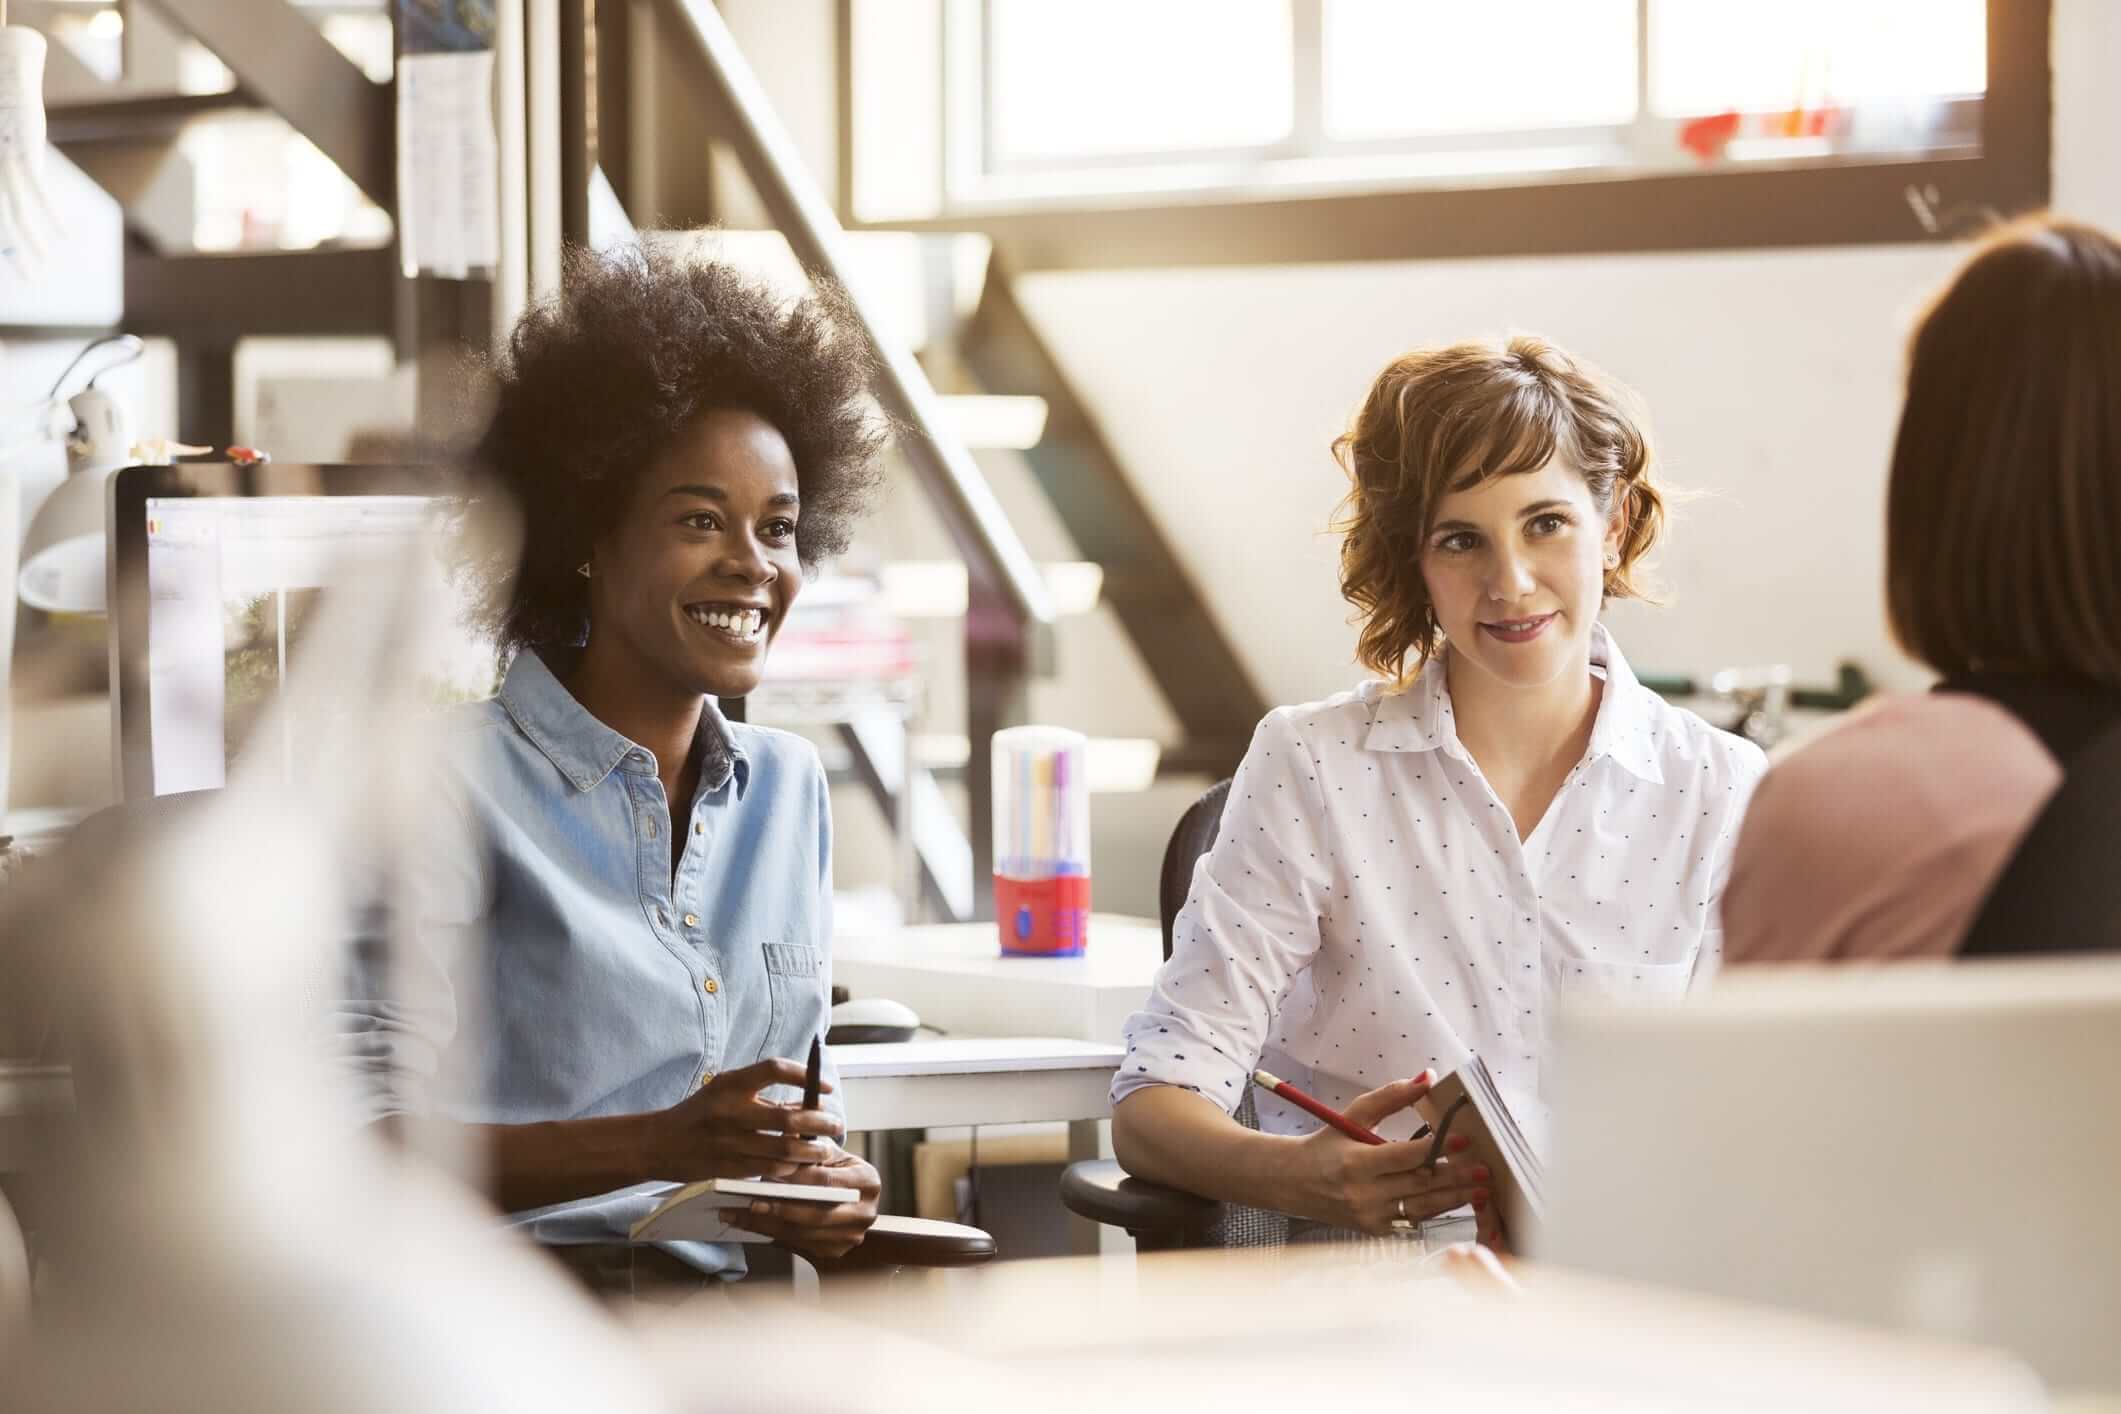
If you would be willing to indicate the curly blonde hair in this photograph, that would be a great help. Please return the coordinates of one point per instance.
(1448, 419)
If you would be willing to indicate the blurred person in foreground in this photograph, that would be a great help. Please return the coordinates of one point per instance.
(1415, 870)
(1882, 837)
(621, 946)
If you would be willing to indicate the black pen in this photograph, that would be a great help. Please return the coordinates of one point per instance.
(813, 1073)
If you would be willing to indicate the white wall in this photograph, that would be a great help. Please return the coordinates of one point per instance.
(1772, 380)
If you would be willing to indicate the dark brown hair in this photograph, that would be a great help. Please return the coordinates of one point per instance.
(2003, 514)
(1447, 419)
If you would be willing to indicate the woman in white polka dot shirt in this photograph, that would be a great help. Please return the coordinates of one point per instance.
(1414, 870)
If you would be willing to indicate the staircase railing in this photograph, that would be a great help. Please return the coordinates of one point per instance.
(1009, 616)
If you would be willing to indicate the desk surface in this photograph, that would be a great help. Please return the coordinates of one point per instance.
(954, 976)
(962, 1081)
(981, 1056)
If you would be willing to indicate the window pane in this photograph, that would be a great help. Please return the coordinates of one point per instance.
(1714, 56)
(1400, 67)
(1096, 77)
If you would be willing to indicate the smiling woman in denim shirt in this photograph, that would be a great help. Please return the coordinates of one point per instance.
(633, 899)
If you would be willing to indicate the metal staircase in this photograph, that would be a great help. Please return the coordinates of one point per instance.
(575, 113)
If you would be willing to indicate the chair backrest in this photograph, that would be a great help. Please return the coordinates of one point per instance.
(2061, 891)
(1194, 837)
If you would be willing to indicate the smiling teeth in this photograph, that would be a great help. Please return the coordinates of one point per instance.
(742, 623)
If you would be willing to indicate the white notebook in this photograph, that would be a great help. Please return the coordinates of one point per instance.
(1497, 1141)
(696, 1212)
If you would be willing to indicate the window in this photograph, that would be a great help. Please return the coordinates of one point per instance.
(1127, 133)
(1062, 101)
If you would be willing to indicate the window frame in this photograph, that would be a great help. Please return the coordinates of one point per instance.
(1587, 209)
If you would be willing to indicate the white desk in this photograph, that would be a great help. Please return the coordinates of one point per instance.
(957, 1081)
(954, 977)
(962, 1081)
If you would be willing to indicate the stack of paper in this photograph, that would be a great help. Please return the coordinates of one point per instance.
(1497, 1139)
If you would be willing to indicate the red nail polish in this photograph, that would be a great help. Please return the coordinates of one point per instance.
(1459, 1143)
(1480, 1200)
(1481, 1174)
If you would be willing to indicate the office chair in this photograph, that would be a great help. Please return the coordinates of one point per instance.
(1161, 1218)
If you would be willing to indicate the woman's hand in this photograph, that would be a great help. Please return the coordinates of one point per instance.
(724, 1130)
(1372, 1187)
(814, 1230)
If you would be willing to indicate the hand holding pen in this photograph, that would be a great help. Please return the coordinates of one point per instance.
(1373, 1184)
(806, 1227)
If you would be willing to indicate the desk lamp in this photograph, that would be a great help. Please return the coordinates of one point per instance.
(63, 554)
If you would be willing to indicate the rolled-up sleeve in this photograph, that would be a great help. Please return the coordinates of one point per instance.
(1249, 928)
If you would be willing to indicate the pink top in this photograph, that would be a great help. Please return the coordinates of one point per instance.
(1881, 837)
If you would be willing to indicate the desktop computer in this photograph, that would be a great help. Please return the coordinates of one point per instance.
(215, 572)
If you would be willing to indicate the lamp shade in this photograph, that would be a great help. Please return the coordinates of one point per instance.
(63, 554)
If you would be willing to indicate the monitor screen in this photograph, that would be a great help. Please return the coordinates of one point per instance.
(231, 583)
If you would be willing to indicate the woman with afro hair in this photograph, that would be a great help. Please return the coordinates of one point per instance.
(641, 900)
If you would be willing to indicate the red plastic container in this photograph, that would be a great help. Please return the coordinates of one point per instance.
(1043, 917)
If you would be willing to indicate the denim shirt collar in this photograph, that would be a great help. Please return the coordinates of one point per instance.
(586, 751)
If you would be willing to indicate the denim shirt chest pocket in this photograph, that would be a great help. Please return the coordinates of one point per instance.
(796, 991)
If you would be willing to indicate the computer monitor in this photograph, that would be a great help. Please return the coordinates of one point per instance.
(214, 569)
(1929, 1147)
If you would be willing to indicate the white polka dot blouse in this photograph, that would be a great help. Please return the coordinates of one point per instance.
(1368, 910)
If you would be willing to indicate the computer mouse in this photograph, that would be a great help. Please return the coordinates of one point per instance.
(869, 1020)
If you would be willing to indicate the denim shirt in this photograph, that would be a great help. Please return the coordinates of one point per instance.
(588, 980)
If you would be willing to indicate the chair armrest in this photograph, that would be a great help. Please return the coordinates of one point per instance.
(1104, 1192)
(911, 1242)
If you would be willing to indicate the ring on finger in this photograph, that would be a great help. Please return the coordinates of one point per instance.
(1402, 1209)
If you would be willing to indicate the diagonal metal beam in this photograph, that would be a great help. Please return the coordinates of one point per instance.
(288, 64)
(1193, 662)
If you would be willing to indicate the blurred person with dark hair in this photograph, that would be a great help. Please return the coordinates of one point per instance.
(1411, 872)
(632, 909)
(1882, 837)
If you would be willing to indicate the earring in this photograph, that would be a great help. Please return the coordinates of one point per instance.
(582, 569)
(1612, 561)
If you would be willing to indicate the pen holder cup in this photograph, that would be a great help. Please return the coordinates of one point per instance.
(1041, 841)
(1043, 917)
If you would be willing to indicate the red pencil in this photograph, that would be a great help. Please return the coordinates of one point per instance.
(1323, 1110)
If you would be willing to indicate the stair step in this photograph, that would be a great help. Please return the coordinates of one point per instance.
(148, 118)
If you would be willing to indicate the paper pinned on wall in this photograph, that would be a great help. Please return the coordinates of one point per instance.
(448, 164)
